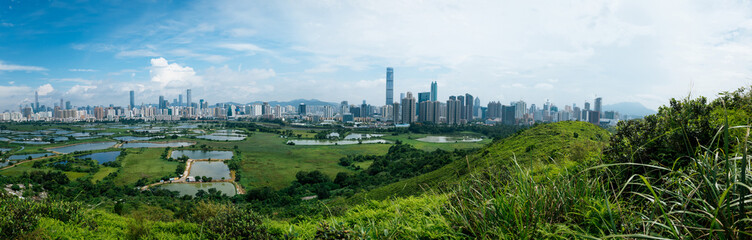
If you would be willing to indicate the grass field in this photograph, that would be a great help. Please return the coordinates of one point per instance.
(144, 163)
(268, 161)
(427, 146)
(102, 173)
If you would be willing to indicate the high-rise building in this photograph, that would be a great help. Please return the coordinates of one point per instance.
(396, 117)
(133, 99)
(389, 86)
(36, 101)
(67, 105)
(494, 110)
(302, 109)
(477, 106)
(429, 111)
(61, 103)
(161, 102)
(408, 108)
(598, 106)
(507, 115)
(422, 97)
(462, 116)
(454, 110)
(470, 110)
(188, 97)
(180, 99)
(587, 106)
(520, 109)
(434, 91)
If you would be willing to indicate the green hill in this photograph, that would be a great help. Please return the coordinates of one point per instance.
(545, 148)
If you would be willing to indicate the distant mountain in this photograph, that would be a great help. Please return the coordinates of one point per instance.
(298, 102)
(629, 108)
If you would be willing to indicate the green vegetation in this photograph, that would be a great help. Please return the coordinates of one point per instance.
(144, 163)
(683, 173)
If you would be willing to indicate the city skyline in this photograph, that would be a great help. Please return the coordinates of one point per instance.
(96, 53)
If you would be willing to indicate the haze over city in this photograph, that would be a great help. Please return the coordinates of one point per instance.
(94, 53)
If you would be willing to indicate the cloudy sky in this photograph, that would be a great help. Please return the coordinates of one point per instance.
(93, 53)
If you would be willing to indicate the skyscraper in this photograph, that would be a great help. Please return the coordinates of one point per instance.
(462, 115)
(180, 99)
(408, 108)
(389, 86)
(161, 102)
(598, 106)
(434, 91)
(469, 107)
(36, 101)
(302, 109)
(133, 100)
(188, 97)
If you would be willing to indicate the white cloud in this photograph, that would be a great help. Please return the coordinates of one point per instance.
(45, 89)
(243, 47)
(81, 70)
(172, 75)
(137, 53)
(544, 86)
(12, 67)
(13, 96)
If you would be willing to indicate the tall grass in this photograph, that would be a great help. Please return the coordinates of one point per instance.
(708, 198)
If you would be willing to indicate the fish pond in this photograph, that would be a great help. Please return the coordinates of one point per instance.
(155, 145)
(102, 157)
(215, 170)
(199, 154)
(83, 147)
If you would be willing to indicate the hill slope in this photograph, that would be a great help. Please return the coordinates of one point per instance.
(548, 147)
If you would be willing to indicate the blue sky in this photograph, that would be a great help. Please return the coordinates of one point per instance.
(93, 53)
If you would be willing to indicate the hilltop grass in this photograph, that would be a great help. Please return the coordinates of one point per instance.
(144, 163)
(102, 173)
(547, 149)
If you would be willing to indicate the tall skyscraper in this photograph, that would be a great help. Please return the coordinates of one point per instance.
(461, 108)
(408, 108)
(188, 97)
(598, 106)
(389, 86)
(161, 102)
(469, 107)
(36, 101)
(180, 99)
(434, 91)
(302, 109)
(133, 99)
(61, 103)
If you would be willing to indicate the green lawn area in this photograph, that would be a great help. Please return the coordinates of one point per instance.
(27, 167)
(427, 146)
(102, 173)
(20, 169)
(268, 161)
(144, 163)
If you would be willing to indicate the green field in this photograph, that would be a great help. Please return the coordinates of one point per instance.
(144, 163)
(102, 173)
(268, 161)
(428, 146)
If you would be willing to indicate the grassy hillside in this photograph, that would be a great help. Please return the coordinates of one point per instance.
(546, 148)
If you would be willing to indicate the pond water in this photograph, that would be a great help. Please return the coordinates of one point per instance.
(4, 139)
(25, 156)
(199, 154)
(83, 147)
(105, 134)
(341, 142)
(216, 137)
(444, 139)
(2, 150)
(192, 188)
(60, 139)
(102, 157)
(215, 170)
(154, 145)
(31, 142)
(79, 135)
(354, 136)
(132, 138)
